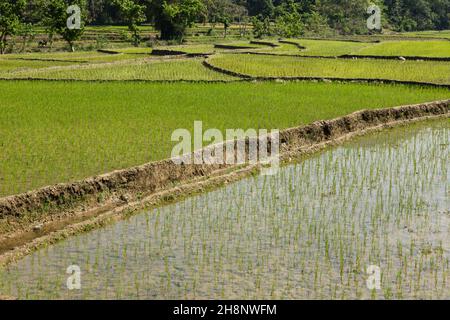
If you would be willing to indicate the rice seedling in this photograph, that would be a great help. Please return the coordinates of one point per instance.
(55, 132)
(263, 237)
(273, 66)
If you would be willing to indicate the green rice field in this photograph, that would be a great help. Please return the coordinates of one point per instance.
(329, 47)
(438, 49)
(140, 69)
(310, 231)
(284, 66)
(58, 131)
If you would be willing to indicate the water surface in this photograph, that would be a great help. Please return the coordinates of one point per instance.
(309, 232)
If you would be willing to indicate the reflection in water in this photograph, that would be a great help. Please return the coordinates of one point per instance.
(309, 232)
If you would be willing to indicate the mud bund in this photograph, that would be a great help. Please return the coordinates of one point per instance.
(121, 186)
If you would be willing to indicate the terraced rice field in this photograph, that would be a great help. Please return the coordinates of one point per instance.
(7, 66)
(438, 49)
(329, 48)
(58, 132)
(432, 34)
(137, 69)
(310, 232)
(284, 66)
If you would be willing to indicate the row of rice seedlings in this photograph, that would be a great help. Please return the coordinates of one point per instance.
(309, 232)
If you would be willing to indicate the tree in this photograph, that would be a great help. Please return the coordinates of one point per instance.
(56, 17)
(345, 16)
(173, 17)
(409, 15)
(225, 12)
(261, 26)
(27, 34)
(264, 8)
(316, 24)
(288, 21)
(132, 14)
(10, 14)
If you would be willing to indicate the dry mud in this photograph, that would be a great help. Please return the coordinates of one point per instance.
(52, 213)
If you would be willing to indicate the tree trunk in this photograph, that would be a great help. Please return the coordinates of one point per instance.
(50, 42)
(2, 43)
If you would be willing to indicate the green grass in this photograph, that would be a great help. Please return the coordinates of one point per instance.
(270, 66)
(409, 48)
(53, 132)
(143, 69)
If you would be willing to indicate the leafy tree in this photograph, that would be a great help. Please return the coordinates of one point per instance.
(27, 33)
(173, 17)
(132, 14)
(316, 24)
(55, 20)
(409, 15)
(288, 22)
(10, 14)
(345, 16)
(261, 26)
(264, 8)
(225, 12)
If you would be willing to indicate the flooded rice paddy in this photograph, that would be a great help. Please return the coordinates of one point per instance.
(309, 232)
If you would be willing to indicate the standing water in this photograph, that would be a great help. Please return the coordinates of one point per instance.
(380, 202)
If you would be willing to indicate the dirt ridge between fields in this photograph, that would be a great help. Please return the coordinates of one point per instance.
(111, 194)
